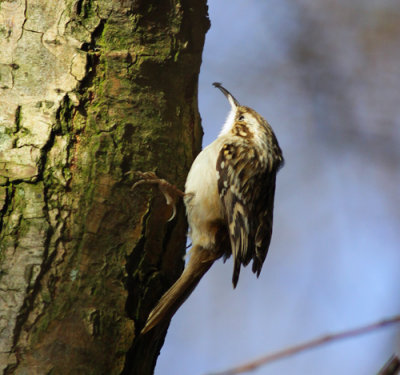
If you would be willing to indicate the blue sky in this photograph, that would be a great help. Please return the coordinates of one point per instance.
(324, 75)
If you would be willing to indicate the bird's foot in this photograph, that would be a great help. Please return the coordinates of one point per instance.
(170, 192)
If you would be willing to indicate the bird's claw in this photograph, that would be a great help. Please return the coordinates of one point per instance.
(171, 192)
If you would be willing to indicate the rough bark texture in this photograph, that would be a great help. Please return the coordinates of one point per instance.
(89, 91)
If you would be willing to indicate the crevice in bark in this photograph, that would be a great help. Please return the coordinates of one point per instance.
(78, 7)
(30, 296)
(45, 150)
(27, 306)
(10, 191)
(24, 22)
(132, 268)
(18, 119)
(10, 369)
(17, 123)
(85, 88)
(92, 46)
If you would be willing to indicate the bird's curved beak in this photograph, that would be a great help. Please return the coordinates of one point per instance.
(234, 103)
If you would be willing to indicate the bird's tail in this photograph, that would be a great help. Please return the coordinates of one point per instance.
(199, 263)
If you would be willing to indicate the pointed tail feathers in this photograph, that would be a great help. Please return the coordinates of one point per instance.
(199, 263)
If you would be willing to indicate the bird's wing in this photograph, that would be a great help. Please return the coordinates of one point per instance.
(246, 187)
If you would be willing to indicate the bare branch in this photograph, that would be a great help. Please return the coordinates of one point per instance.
(250, 366)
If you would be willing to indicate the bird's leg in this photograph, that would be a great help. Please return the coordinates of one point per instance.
(170, 192)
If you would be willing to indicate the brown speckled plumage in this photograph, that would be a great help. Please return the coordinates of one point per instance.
(246, 185)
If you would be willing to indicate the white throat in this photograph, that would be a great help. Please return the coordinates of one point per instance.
(228, 122)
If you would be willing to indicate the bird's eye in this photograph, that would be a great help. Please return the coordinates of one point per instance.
(241, 118)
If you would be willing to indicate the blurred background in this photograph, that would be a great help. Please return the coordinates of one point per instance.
(326, 75)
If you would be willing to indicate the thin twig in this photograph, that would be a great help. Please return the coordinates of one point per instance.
(309, 345)
(391, 367)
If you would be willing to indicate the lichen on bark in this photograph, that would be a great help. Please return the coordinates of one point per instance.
(91, 91)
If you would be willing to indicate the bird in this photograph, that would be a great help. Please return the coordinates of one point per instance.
(229, 200)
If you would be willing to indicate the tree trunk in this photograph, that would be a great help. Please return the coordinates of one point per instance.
(91, 91)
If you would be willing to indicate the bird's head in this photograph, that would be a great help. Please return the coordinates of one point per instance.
(244, 122)
(241, 115)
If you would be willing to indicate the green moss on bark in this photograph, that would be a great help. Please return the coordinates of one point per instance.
(108, 253)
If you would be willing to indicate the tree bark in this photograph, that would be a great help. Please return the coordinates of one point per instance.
(91, 91)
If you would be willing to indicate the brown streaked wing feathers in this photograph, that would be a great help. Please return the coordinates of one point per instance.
(246, 189)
